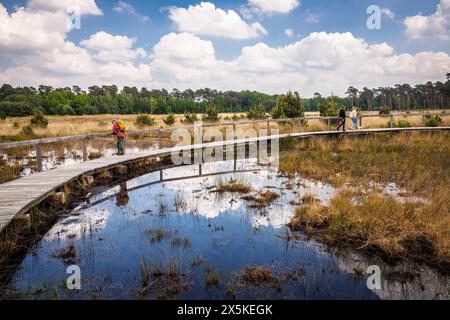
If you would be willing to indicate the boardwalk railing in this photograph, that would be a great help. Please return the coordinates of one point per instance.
(37, 143)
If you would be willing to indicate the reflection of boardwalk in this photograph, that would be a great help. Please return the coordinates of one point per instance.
(161, 180)
(20, 195)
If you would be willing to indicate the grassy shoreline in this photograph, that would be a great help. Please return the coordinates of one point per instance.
(364, 218)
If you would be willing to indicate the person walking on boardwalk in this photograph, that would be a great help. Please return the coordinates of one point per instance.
(118, 130)
(341, 119)
(354, 117)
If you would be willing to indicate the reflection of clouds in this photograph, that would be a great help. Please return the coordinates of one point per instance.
(209, 204)
(195, 196)
(427, 285)
(79, 226)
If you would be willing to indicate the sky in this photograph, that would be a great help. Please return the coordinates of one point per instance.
(270, 46)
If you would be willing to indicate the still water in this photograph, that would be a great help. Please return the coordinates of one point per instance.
(178, 239)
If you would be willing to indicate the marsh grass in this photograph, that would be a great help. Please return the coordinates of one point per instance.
(232, 185)
(164, 276)
(211, 277)
(378, 223)
(262, 199)
(417, 161)
(180, 241)
(9, 172)
(362, 216)
(260, 276)
(157, 234)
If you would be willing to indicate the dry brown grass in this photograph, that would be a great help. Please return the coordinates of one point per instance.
(379, 223)
(259, 276)
(372, 221)
(233, 185)
(262, 199)
(9, 172)
(417, 161)
(60, 126)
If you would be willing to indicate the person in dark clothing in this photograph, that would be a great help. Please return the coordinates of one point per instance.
(342, 116)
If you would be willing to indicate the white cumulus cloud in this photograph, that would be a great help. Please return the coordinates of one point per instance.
(325, 62)
(435, 25)
(289, 32)
(274, 6)
(35, 42)
(388, 13)
(125, 7)
(206, 19)
(107, 47)
(34, 39)
(83, 6)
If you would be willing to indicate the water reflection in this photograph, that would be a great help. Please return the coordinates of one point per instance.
(171, 222)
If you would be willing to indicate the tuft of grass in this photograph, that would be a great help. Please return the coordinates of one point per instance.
(144, 272)
(211, 277)
(157, 234)
(259, 276)
(233, 185)
(162, 208)
(180, 241)
(262, 199)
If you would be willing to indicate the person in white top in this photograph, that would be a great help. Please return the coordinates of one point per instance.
(354, 117)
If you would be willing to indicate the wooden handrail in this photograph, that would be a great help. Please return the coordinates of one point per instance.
(34, 142)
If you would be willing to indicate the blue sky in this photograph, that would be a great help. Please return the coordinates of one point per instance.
(151, 21)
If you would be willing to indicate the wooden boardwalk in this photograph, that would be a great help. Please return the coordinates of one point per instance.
(18, 196)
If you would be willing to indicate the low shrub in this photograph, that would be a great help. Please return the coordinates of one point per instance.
(384, 110)
(189, 118)
(144, 120)
(169, 119)
(257, 113)
(400, 123)
(38, 119)
(432, 121)
(211, 114)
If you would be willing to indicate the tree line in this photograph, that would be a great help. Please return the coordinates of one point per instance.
(107, 99)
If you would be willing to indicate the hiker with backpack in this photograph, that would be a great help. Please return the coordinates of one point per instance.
(118, 130)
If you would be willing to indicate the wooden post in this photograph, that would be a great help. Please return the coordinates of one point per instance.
(391, 121)
(199, 169)
(159, 139)
(329, 123)
(360, 122)
(84, 148)
(234, 131)
(39, 157)
(269, 132)
(161, 178)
